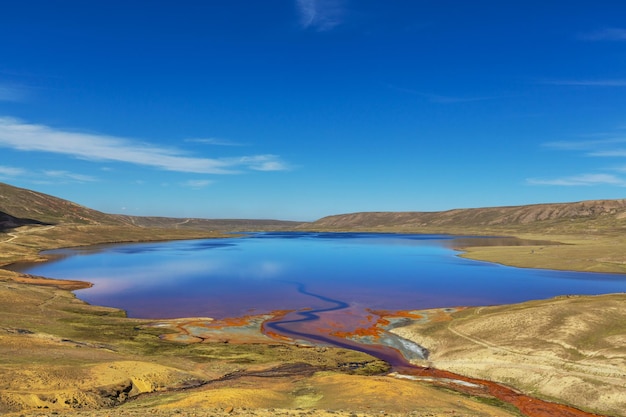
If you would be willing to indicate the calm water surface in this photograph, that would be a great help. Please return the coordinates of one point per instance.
(264, 272)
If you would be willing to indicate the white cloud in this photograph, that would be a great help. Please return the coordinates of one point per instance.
(197, 183)
(613, 153)
(321, 15)
(262, 163)
(22, 136)
(307, 12)
(214, 141)
(44, 175)
(618, 82)
(442, 99)
(586, 145)
(609, 147)
(11, 171)
(608, 34)
(65, 175)
(581, 180)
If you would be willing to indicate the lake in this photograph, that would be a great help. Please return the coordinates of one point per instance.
(264, 272)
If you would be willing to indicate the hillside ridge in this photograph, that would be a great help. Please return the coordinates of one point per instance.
(475, 217)
(21, 206)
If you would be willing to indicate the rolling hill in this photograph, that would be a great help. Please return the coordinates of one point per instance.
(604, 214)
(20, 207)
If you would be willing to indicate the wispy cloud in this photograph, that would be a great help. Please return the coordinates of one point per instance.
(66, 175)
(44, 176)
(585, 145)
(321, 15)
(443, 99)
(261, 162)
(607, 34)
(616, 82)
(12, 93)
(610, 153)
(197, 183)
(581, 180)
(11, 171)
(607, 147)
(452, 99)
(215, 141)
(21, 136)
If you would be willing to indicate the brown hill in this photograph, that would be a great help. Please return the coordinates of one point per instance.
(19, 207)
(563, 215)
(224, 225)
(9, 222)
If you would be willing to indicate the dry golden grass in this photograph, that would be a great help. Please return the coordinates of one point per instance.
(591, 253)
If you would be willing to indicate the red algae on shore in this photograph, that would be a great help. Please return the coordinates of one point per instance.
(529, 406)
(375, 326)
(379, 322)
(374, 332)
(245, 329)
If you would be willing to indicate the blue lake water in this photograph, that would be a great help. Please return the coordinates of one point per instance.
(263, 272)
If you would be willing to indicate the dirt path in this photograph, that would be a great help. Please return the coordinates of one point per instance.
(16, 234)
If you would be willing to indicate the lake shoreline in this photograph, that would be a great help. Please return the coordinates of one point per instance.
(59, 283)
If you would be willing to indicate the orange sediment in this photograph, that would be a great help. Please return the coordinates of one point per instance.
(374, 325)
(63, 284)
(530, 406)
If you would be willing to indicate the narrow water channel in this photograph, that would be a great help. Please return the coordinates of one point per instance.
(401, 367)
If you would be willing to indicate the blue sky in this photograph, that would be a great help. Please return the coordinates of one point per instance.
(297, 109)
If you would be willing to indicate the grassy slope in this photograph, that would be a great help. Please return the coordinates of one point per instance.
(30, 205)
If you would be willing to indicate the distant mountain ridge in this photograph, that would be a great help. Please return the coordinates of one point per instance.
(480, 217)
(20, 207)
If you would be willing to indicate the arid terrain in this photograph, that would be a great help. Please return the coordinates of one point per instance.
(569, 349)
(59, 355)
